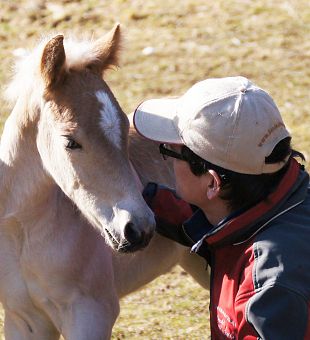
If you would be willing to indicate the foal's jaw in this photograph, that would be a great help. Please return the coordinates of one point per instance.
(126, 225)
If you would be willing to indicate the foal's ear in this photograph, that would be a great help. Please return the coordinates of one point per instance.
(53, 62)
(106, 50)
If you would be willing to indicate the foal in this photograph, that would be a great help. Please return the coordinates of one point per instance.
(64, 164)
(65, 181)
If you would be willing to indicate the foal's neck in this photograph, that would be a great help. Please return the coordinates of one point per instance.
(22, 178)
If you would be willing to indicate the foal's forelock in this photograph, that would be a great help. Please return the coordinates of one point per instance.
(27, 78)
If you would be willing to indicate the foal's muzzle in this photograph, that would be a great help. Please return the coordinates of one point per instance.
(135, 239)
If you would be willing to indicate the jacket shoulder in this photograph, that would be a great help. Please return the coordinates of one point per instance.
(282, 252)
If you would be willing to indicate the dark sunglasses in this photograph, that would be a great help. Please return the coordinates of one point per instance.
(198, 166)
(166, 152)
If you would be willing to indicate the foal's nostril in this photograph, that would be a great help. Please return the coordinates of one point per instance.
(132, 235)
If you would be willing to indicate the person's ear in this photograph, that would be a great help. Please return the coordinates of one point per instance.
(214, 185)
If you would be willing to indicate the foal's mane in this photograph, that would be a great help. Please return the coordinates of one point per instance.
(26, 73)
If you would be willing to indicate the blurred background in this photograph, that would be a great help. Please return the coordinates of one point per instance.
(168, 46)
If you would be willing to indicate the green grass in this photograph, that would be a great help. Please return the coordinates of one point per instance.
(171, 307)
(267, 41)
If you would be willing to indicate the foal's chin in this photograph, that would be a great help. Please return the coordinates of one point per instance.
(123, 246)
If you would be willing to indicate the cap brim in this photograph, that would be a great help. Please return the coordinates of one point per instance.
(154, 119)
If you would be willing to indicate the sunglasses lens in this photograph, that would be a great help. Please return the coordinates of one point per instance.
(197, 168)
(166, 151)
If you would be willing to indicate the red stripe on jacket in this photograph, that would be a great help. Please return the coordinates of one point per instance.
(260, 209)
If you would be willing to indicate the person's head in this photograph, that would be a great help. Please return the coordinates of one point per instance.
(238, 190)
(227, 129)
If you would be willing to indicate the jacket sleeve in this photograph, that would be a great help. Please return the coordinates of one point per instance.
(278, 313)
(170, 212)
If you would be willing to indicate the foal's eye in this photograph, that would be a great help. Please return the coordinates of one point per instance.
(72, 144)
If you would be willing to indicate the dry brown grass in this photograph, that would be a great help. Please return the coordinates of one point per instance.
(267, 41)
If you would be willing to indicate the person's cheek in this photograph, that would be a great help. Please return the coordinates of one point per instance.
(181, 179)
(178, 180)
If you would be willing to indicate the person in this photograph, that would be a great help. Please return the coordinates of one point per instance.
(242, 203)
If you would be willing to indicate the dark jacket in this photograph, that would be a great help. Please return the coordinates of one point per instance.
(260, 264)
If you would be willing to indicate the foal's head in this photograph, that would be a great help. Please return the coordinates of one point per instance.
(82, 139)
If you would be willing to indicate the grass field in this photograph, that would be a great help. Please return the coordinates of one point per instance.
(168, 46)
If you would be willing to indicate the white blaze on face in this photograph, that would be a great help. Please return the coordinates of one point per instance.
(110, 121)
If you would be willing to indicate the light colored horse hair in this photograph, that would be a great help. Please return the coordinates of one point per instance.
(79, 53)
(57, 273)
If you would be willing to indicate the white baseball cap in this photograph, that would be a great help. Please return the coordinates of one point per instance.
(229, 122)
